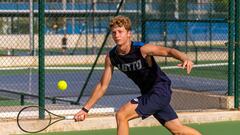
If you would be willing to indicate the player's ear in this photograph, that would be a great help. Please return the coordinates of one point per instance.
(129, 33)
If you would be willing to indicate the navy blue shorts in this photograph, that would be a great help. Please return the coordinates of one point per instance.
(156, 103)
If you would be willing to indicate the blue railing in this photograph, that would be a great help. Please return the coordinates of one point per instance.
(177, 31)
(14, 6)
(67, 6)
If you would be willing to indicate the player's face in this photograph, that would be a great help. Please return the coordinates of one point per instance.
(120, 35)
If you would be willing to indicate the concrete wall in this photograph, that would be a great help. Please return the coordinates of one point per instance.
(183, 100)
(54, 41)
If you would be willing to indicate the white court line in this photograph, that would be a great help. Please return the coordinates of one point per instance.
(53, 68)
(198, 65)
(101, 68)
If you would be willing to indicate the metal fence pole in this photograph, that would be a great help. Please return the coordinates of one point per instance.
(230, 47)
(186, 27)
(41, 76)
(143, 8)
(237, 41)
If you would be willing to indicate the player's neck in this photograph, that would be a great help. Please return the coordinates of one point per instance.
(124, 49)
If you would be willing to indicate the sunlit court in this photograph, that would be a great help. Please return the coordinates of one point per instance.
(65, 68)
(218, 128)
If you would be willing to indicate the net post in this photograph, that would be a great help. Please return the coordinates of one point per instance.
(54, 101)
(22, 99)
(196, 55)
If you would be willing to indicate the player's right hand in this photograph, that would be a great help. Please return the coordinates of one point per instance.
(80, 116)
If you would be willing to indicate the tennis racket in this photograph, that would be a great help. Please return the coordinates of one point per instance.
(28, 119)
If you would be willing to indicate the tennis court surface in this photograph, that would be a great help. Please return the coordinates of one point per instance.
(217, 128)
(105, 124)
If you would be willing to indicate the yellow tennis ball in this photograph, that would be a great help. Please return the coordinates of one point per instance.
(62, 85)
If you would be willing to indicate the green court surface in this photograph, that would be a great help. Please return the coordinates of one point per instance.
(11, 102)
(218, 128)
(8, 102)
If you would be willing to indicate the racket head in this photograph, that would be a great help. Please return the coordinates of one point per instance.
(28, 119)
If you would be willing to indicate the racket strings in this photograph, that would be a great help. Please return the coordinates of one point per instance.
(29, 120)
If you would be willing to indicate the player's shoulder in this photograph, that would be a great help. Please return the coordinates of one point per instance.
(108, 60)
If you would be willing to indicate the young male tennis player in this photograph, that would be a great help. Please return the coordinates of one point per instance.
(135, 59)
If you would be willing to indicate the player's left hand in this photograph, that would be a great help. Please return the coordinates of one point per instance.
(188, 64)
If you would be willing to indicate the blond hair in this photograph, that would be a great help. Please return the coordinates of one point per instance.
(120, 21)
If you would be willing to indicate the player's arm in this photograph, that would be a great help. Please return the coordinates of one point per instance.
(154, 50)
(98, 91)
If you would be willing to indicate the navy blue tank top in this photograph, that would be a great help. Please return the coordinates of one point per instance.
(137, 68)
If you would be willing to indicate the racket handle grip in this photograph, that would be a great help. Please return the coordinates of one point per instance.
(69, 117)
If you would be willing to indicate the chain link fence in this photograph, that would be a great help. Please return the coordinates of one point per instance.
(77, 39)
